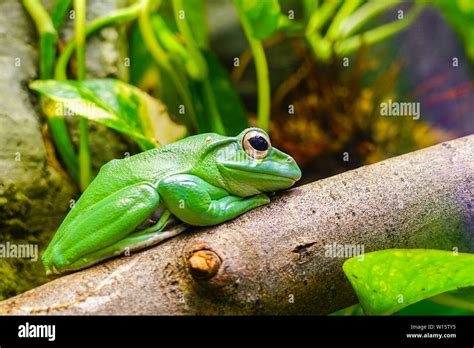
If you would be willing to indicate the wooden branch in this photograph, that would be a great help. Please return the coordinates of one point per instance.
(273, 260)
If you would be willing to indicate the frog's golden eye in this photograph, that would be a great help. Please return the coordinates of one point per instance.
(256, 144)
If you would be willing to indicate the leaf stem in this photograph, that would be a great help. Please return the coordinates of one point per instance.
(184, 29)
(125, 14)
(320, 46)
(39, 15)
(321, 16)
(80, 36)
(344, 12)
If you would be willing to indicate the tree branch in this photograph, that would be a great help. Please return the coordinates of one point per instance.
(272, 260)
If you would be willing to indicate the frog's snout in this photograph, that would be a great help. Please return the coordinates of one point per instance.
(293, 171)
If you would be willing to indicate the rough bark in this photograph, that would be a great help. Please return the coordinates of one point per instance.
(272, 260)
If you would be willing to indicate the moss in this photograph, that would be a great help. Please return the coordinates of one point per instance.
(34, 209)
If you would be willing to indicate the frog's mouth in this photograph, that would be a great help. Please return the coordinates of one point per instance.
(245, 174)
(267, 170)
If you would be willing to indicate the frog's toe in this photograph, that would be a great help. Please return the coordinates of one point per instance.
(51, 270)
(54, 264)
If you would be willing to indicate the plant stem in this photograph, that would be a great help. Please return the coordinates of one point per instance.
(364, 14)
(56, 123)
(48, 36)
(40, 16)
(184, 29)
(80, 35)
(162, 60)
(321, 47)
(321, 16)
(117, 16)
(344, 11)
(261, 67)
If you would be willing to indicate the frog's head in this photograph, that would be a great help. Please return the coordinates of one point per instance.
(248, 164)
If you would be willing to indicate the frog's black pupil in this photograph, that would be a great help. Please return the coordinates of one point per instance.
(258, 143)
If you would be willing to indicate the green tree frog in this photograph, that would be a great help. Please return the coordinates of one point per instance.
(201, 180)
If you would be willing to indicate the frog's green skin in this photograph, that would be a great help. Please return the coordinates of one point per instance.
(202, 180)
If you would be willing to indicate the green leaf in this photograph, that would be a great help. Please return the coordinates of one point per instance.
(228, 103)
(262, 15)
(231, 109)
(168, 39)
(143, 69)
(190, 18)
(389, 280)
(114, 104)
(202, 118)
(289, 26)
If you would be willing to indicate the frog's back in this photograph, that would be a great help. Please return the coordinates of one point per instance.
(146, 167)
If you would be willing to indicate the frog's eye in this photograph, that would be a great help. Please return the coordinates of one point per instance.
(256, 144)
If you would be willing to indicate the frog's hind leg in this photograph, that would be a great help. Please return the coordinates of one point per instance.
(164, 229)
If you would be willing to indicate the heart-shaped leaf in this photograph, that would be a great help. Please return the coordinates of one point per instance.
(262, 15)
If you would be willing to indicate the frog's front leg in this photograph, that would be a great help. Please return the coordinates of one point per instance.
(196, 202)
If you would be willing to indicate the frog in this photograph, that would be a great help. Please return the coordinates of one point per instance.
(139, 201)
